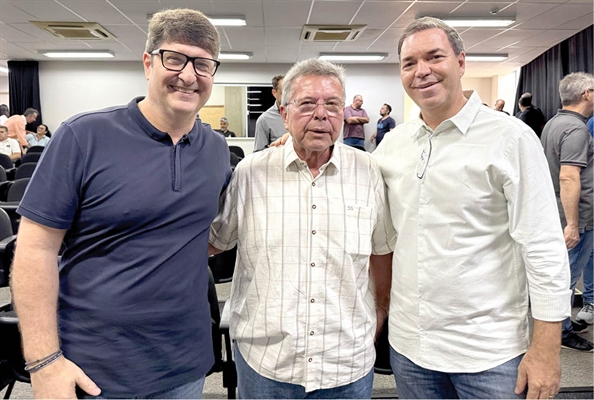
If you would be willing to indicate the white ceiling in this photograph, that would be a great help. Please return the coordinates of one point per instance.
(274, 26)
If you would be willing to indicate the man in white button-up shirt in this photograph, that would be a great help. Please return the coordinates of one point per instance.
(306, 218)
(479, 235)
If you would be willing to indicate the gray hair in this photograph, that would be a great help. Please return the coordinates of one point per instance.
(316, 67)
(572, 87)
(422, 24)
(30, 111)
(185, 26)
(224, 119)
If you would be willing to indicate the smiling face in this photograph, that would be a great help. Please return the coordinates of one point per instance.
(431, 73)
(314, 133)
(177, 95)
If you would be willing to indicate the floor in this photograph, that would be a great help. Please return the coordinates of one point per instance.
(577, 369)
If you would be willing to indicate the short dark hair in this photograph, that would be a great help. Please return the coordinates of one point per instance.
(275, 81)
(30, 111)
(526, 100)
(2, 127)
(389, 107)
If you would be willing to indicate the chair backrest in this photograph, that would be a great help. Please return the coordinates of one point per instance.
(35, 149)
(30, 157)
(237, 150)
(6, 162)
(25, 170)
(11, 354)
(234, 160)
(2, 174)
(17, 189)
(222, 265)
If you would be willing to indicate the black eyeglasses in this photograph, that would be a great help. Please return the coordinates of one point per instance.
(424, 160)
(176, 61)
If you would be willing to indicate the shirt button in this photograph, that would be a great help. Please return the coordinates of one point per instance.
(313, 264)
(421, 233)
(312, 301)
(313, 183)
(314, 206)
(310, 359)
(311, 333)
(313, 232)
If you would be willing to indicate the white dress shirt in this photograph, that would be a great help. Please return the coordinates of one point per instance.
(302, 310)
(478, 229)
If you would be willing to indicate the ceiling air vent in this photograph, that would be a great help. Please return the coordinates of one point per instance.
(331, 33)
(75, 30)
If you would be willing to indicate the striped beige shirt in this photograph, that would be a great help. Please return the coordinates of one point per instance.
(302, 311)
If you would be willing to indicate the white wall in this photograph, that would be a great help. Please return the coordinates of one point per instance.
(482, 86)
(4, 89)
(69, 88)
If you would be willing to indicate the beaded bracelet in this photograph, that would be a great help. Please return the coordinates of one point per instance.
(43, 362)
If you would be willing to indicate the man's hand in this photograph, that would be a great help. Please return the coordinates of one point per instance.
(540, 368)
(572, 236)
(281, 140)
(372, 138)
(60, 379)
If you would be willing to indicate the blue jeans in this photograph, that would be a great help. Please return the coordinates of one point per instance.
(353, 141)
(578, 258)
(588, 295)
(251, 385)
(414, 382)
(191, 390)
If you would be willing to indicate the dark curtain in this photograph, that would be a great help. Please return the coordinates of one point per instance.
(542, 75)
(23, 89)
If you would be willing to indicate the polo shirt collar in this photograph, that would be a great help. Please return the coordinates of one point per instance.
(150, 130)
(575, 114)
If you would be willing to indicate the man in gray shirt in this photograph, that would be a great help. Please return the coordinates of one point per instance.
(568, 148)
(270, 125)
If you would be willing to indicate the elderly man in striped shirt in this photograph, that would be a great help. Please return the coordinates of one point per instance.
(314, 240)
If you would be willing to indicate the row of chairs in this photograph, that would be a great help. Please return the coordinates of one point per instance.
(7, 163)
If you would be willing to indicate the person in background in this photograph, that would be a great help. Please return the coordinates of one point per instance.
(270, 125)
(530, 115)
(17, 125)
(39, 139)
(4, 113)
(9, 146)
(384, 125)
(306, 218)
(354, 119)
(586, 314)
(119, 188)
(568, 147)
(479, 238)
(224, 130)
(499, 104)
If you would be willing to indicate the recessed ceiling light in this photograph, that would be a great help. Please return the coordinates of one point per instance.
(3, 69)
(486, 57)
(352, 57)
(227, 21)
(479, 22)
(77, 54)
(234, 56)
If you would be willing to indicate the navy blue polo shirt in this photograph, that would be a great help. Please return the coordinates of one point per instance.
(133, 305)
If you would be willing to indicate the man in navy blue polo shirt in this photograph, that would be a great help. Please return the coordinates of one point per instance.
(131, 190)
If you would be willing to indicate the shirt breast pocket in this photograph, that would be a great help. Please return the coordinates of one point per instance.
(359, 225)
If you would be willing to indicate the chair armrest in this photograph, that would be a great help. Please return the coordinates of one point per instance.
(5, 242)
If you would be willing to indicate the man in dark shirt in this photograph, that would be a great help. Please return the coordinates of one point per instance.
(224, 130)
(131, 191)
(531, 115)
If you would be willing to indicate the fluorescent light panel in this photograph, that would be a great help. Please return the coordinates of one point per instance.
(234, 56)
(77, 54)
(5, 70)
(486, 57)
(227, 21)
(479, 22)
(352, 57)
